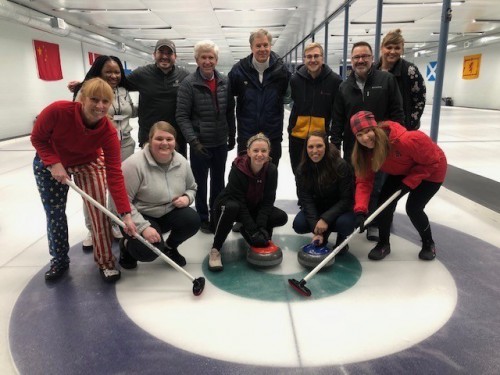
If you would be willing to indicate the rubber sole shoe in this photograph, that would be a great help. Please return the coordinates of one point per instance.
(215, 261)
(380, 251)
(176, 257)
(344, 250)
(87, 245)
(126, 260)
(55, 272)
(110, 275)
(205, 227)
(372, 234)
(237, 227)
(428, 252)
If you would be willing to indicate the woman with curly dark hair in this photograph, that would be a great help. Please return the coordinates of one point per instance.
(325, 191)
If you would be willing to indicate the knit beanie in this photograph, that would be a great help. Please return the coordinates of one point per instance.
(362, 120)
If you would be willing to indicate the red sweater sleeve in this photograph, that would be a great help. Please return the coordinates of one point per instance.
(42, 133)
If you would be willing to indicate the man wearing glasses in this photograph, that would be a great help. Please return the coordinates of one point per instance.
(366, 89)
(157, 85)
(313, 87)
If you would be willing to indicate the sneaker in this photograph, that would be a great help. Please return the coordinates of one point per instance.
(345, 249)
(206, 227)
(372, 234)
(176, 257)
(110, 275)
(428, 251)
(237, 227)
(87, 244)
(126, 261)
(117, 234)
(56, 271)
(215, 261)
(380, 251)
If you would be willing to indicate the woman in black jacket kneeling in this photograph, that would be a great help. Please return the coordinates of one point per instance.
(248, 198)
(325, 188)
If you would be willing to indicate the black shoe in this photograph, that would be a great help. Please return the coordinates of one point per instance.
(428, 251)
(176, 257)
(345, 249)
(126, 261)
(56, 271)
(237, 227)
(380, 251)
(206, 227)
(110, 275)
(372, 234)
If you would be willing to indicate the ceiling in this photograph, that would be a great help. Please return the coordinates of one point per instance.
(135, 25)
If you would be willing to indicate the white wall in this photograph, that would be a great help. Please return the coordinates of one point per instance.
(22, 94)
(483, 92)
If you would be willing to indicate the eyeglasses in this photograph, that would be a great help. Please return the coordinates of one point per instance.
(310, 57)
(360, 57)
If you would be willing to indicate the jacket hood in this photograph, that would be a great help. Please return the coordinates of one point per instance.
(242, 163)
(396, 131)
(302, 71)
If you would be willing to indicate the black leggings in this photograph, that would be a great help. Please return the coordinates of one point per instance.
(229, 212)
(417, 200)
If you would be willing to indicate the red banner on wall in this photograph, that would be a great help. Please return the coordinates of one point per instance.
(92, 57)
(48, 60)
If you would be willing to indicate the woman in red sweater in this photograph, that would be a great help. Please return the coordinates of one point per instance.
(77, 138)
(414, 164)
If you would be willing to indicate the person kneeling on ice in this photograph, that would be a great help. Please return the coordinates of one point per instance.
(325, 188)
(160, 187)
(249, 199)
(414, 164)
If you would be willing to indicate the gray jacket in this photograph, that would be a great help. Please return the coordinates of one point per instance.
(151, 189)
(202, 116)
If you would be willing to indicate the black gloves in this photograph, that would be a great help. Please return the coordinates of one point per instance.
(360, 222)
(199, 149)
(258, 239)
(231, 142)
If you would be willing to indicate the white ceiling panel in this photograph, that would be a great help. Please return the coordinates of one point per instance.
(193, 20)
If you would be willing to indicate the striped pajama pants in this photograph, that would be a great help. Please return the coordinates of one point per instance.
(91, 178)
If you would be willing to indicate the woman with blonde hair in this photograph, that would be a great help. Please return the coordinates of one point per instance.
(410, 82)
(78, 139)
(414, 164)
(249, 199)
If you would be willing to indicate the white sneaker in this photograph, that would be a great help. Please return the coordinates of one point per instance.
(117, 234)
(87, 244)
(215, 261)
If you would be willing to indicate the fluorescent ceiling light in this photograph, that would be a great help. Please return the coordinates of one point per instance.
(476, 20)
(383, 22)
(463, 34)
(419, 4)
(451, 46)
(253, 10)
(155, 40)
(486, 39)
(95, 10)
(253, 27)
(139, 27)
(351, 35)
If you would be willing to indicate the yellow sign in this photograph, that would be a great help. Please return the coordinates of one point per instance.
(472, 64)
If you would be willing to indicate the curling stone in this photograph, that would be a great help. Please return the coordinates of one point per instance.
(311, 255)
(268, 256)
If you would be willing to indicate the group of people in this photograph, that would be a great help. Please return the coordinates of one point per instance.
(374, 115)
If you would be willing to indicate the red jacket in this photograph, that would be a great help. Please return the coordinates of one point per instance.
(412, 154)
(60, 136)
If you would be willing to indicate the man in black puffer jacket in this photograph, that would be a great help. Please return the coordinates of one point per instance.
(205, 114)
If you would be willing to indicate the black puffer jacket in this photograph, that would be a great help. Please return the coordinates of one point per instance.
(202, 116)
(312, 98)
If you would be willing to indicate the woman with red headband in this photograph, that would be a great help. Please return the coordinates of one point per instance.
(414, 164)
